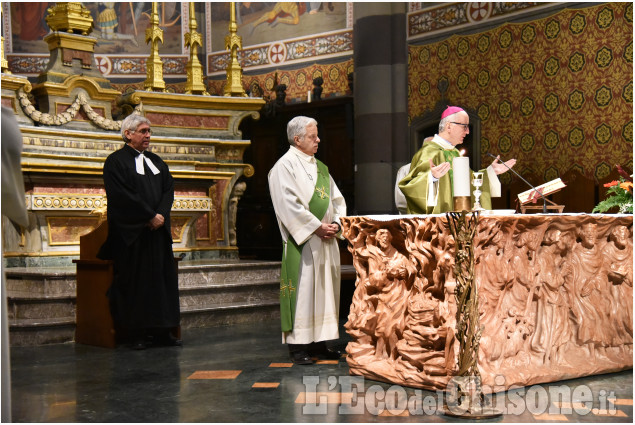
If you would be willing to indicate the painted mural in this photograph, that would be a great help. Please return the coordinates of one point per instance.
(264, 22)
(28, 26)
(118, 26)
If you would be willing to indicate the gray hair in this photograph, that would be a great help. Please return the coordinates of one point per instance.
(297, 127)
(131, 123)
(444, 122)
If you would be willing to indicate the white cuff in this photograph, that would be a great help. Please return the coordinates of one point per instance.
(433, 190)
(494, 183)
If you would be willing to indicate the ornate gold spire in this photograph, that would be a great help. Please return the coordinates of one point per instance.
(154, 65)
(70, 17)
(233, 42)
(3, 63)
(193, 40)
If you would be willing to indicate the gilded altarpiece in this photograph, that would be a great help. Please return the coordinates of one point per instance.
(70, 120)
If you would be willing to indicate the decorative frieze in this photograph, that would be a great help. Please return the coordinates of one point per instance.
(65, 202)
(90, 202)
(286, 52)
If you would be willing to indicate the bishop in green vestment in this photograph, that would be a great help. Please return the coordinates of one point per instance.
(428, 185)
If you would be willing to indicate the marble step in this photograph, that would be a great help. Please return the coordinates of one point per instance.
(229, 314)
(28, 332)
(197, 273)
(23, 306)
(40, 281)
(42, 301)
(217, 296)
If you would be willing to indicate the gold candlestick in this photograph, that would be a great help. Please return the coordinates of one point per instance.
(233, 42)
(193, 40)
(154, 65)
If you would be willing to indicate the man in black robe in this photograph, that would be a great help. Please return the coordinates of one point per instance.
(144, 295)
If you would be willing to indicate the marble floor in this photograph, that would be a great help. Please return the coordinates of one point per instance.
(242, 373)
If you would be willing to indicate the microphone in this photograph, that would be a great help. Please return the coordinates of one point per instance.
(544, 200)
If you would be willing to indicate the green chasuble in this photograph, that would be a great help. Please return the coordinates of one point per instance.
(415, 185)
(292, 252)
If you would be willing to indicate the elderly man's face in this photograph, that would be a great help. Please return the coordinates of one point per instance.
(458, 128)
(139, 138)
(309, 143)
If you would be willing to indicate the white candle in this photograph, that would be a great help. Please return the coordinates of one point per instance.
(461, 176)
(308, 96)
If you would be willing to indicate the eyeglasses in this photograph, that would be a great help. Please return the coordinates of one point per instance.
(466, 127)
(144, 131)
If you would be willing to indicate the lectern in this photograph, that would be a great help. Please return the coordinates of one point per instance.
(94, 323)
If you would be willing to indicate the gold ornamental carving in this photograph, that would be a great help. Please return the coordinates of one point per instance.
(233, 42)
(154, 64)
(95, 203)
(70, 113)
(68, 202)
(70, 17)
(194, 40)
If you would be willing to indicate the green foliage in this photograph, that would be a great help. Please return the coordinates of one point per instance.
(618, 198)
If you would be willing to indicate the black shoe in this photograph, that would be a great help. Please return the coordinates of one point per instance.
(321, 351)
(299, 354)
(301, 358)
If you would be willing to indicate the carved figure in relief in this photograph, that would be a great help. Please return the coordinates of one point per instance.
(424, 338)
(390, 277)
(518, 297)
(237, 192)
(618, 257)
(553, 331)
(586, 289)
(361, 318)
(510, 327)
(494, 273)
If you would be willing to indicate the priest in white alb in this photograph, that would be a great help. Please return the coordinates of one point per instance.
(308, 206)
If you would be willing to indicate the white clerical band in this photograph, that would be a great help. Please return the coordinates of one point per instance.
(139, 164)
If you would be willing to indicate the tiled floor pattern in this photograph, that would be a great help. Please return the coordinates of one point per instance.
(242, 374)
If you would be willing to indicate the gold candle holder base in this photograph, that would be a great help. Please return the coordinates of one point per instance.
(462, 203)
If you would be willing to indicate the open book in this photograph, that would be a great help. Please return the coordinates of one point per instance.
(546, 189)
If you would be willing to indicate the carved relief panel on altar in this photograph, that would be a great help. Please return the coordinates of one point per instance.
(555, 299)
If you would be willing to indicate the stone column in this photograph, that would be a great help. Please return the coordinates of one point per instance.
(381, 103)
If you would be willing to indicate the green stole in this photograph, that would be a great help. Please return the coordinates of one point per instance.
(449, 155)
(292, 252)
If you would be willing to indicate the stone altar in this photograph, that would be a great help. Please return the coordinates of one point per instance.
(555, 298)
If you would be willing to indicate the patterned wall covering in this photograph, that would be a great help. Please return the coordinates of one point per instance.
(298, 81)
(555, 93)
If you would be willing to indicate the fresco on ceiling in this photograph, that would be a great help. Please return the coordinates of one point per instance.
(118, 26)
(264, 22)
